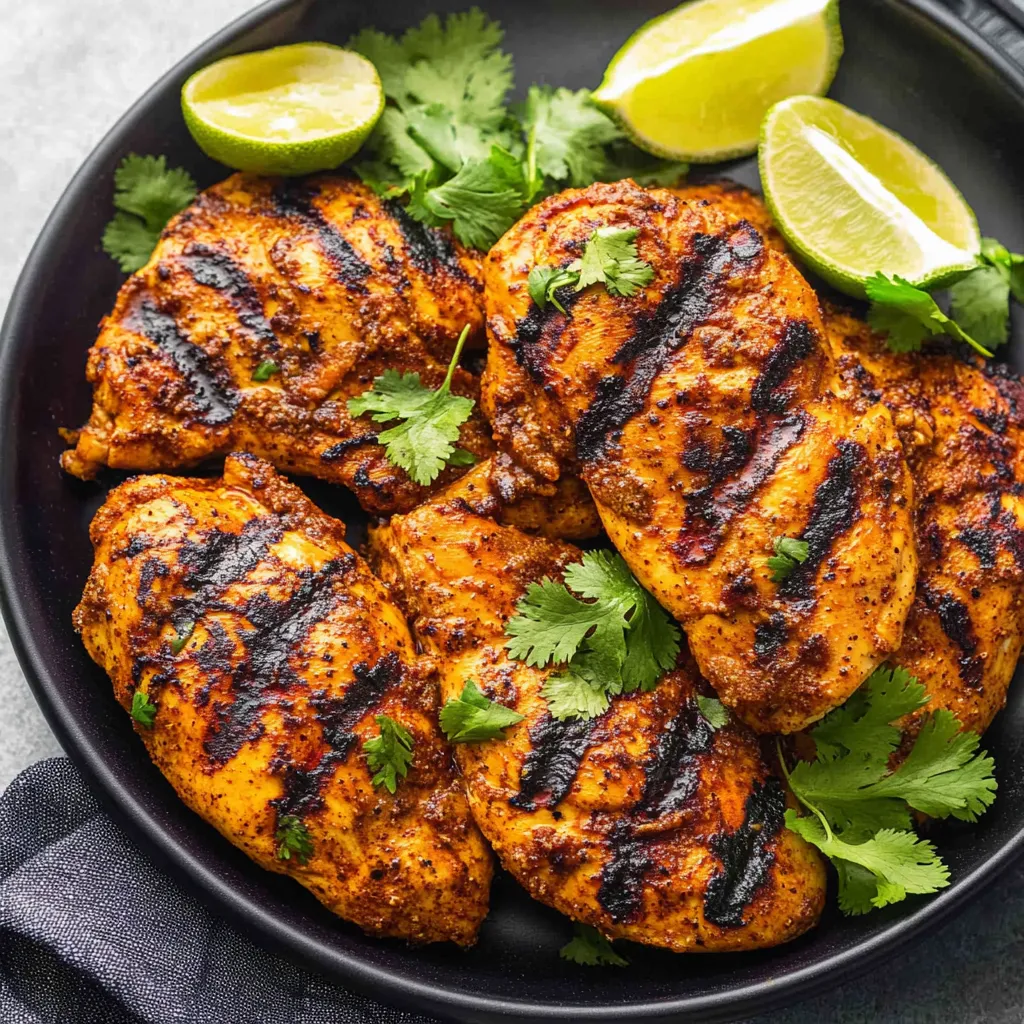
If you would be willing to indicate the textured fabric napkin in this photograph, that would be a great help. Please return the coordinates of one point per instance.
(92, 933)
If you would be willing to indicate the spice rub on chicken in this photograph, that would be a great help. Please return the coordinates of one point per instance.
(700, 413)
(256, 650)
(644, 822)
(265, 306)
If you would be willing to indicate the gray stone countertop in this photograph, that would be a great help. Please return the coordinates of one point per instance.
(68, 70)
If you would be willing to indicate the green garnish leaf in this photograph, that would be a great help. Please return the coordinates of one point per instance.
(423, 443)
(265, 370)
(143, 709)
(449, 141)
(147, 194)
(293, 838)
(609, 258)
(908, 315)
(715, 713)
(612, 638)
(860, 808)
(789, 553)
(184, 631)
(473, 718)
(389, 754)
(591, 949)
(980, 301)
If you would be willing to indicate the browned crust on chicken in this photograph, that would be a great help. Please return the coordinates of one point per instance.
(644, 822)
(700, 415)
(263, 712)
(318, 276)
(962, 424)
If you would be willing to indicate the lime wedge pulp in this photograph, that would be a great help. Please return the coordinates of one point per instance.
(853, 198)
(290, 110)
(695, 83)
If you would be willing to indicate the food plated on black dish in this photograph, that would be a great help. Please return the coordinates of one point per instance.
(507, 330)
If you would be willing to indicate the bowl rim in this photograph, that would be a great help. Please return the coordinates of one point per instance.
(147, 830)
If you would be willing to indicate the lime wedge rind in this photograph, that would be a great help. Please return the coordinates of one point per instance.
(846, 221)
(632, 69)
(289, 110)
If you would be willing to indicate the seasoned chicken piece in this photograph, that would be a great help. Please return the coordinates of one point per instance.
(735, 202)
(699, 413)
(962, 424)
(644, 822)
(316, 280)
(268, 648)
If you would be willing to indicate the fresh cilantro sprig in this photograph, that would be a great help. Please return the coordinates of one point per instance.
(609, 257)
(980, 301)
(449, 141)
(590, 948)
(389, 754)
(143, 709)
(859, 809)
(613, 638)
(908, 315)
(789, 553)
(147, 194)
(293, 839)
(423, 443)
(715, 713)
(472, 718)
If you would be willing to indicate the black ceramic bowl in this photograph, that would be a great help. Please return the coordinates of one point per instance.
(950, 85)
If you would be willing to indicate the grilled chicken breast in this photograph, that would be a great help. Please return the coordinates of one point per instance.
(292, 649)
(317, 277)
(644, 822)
(700, 414)
(962, 424)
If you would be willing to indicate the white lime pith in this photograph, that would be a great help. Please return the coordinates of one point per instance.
(289, 110)
(694, 84)
(853, 198)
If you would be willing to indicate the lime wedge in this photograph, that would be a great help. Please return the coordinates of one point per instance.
(695, 83)
(853, 198)
(290, 110)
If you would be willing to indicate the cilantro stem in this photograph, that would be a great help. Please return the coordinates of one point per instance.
(447, 385)
(814, 810)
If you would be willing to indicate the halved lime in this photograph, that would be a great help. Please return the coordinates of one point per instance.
(853, 198)
(695, 83)
(290, 110)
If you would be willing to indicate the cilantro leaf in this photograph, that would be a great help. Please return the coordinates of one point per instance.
(389, 754)
(293, 838)
(860, 809)
(483, 200)
(567, 135)
(590, 948)
(143, 709)
(471, 717)
(875, 871)
(423, 443)
(388, 55)
(789, 553)
(609, 257)
(1011, 264)
(184, 632)
(715, 713)
(980, 302)
(265, 370)
(147, 194)
(613, 638)
(909, 315)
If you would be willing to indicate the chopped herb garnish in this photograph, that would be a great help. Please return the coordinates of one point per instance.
(472, 718)
(789, 553)
(184, 632)
(860, 807)
(423, 443)
(293, 839)
(591, 949)
(265, 370)
(715, 713)
(143, 709)
(389, 754)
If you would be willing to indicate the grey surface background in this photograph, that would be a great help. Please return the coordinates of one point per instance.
(68, 69)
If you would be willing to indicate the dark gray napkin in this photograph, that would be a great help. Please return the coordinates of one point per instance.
(92, 933)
